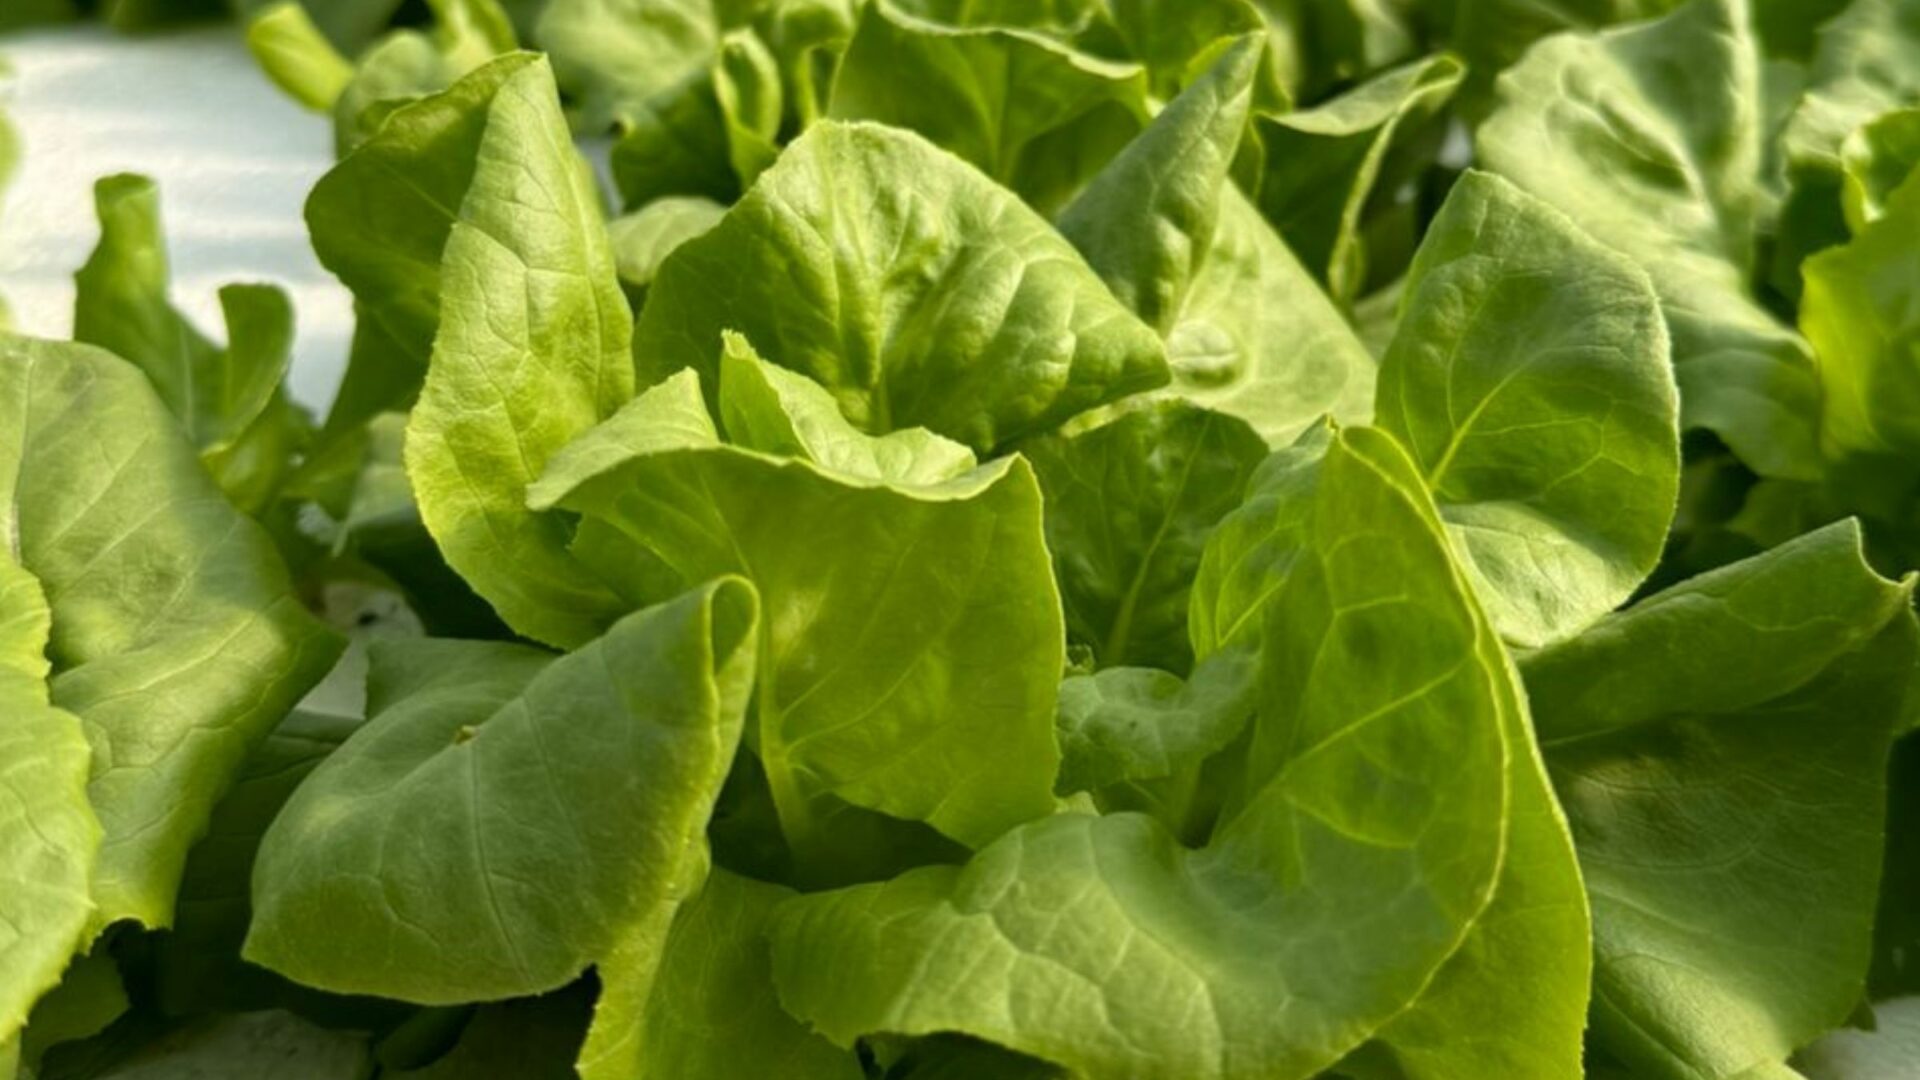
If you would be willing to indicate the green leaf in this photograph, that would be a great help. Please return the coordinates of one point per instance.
(1875, 159)
(470, 33)
(398, 70)
(1250, 554)
(677, 144)
(298, 58)
(807, 38)
(1130, 724)
(197, 966)
(90, 997)
(1322, 164)
(717, 1016)
(670, 416)
(1528, 960)
(1128, 509)
(1357, 856)
(381, 493)
(175, 634)
(713, 131)
(142, 15)
(531, 351)
(362, 506)
(1492, 34)
(1178, 40)
(643, 239)
(1858, 312)
(1790, 28)
(254, 470)
(221, 397)
(907, 284)
(1015, 104)
(380, 221)
(578, 789)
(49, 836)
(1260, 341)
(747, 85)
(348, 24)
(1337, 42)
(1377, 315)
(1061, 19)
(29, 13)
(776, 411)
(1171, 178)
(9, 163)
(1529, 379)
(613, 57)
(407, 64)
(879, 625)
(1647, 137)
(1863, 65)
(1720, 749)
(1248, 331)
(1556, 466)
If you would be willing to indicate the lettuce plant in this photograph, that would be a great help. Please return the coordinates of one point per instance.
(1095, 539)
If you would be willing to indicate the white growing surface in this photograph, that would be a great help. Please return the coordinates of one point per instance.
(1892, 1052)
(234, 158)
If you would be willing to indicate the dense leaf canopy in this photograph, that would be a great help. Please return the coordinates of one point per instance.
(959, 539)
